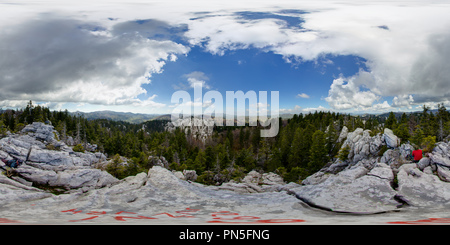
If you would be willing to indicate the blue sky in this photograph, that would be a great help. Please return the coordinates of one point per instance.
(303, 84)
(347, 56)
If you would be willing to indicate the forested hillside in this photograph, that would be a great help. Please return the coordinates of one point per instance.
(305, 143)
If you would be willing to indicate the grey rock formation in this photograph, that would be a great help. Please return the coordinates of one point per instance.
(255, 182)
(365, 183)
(159, 161)
(423, 189)
(392, 141)
(355, 190)
(50, 163)
(198, 128)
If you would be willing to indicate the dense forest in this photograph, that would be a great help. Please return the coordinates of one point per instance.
(305, 143)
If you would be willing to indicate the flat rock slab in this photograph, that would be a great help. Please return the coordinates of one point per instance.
(423, 189)
(350, 192)
(158, 197)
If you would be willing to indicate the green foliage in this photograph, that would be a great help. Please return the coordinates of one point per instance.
(343, 153)
(402, 132)
(383, 149)
(305, 143)
(207, 178)
(296, 175)
(318, 154)
(116, 168)
(391, 122)
(78, 148)
(428, 143)
(417, 137)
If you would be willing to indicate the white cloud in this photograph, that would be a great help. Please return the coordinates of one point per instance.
(381, 107)
(298, 109)
(196, 78)
(346, 93)
(403, 101)
(303, 95)
(227, 32)
(73, 52)
(61, 60)
(406, 47)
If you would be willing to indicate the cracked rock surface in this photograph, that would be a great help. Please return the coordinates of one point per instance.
(367, 182)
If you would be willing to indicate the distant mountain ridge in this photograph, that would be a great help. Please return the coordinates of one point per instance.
(140, 117)
(118, 116)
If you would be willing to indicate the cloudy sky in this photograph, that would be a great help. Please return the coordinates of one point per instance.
(346, 56)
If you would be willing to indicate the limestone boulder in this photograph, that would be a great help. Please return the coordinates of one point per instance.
(390, 138)
(422, 189)
(352, 190)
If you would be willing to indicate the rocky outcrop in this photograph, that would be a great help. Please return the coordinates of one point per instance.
(159, 161)
(374, 179)
(188, 175)
(197, 127)
(68, 179)
(392, 141)
(356, 190)
(368, 182)
(49, 163)
(255, 182)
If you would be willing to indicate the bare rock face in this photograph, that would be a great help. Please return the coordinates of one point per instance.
(356, 190)
(200, 128)
(68, 178)
(390, 138)
(50, 163)
(368, 182)
(255, 182)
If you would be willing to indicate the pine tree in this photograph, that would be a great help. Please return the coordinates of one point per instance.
(296, 154)
(402, 132)
(318, 151)
(391, 122)
(285, 145)
(417, 137)
(331, 138)
(442, 117)
(200, 162)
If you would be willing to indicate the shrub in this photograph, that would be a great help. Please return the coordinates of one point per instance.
(116, 168)
(78, 148)
(343, 153)
(296, 175)
(428, 143)
(383, 149)
(207, 178)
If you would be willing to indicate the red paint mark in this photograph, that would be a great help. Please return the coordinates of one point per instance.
(7, 221)
(263, 221)
(223, 213)
(247, 219)
(122, 218)
(423, 221)
(187, 211)
(125, 212)
(72, 210)
(96, 213)
(239, 218)
(173, 216)
(278, 221)
(218, 217)
(89, 218)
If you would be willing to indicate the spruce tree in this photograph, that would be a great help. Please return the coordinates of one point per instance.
(296, 153)
(318, 152)
(391, 122)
